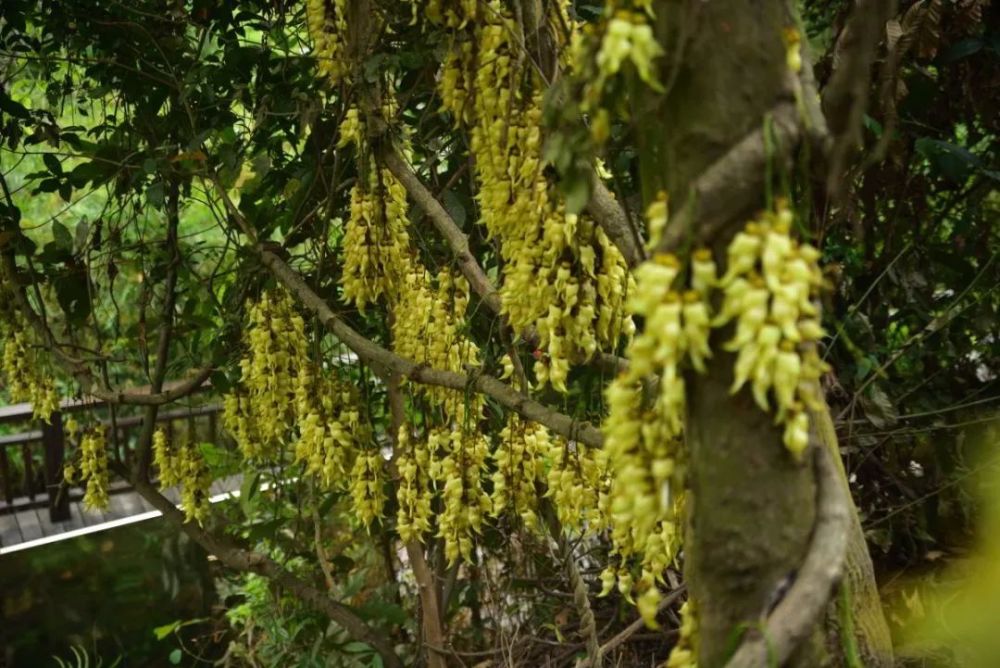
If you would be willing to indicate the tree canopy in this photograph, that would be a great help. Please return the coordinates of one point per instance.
(537, 324)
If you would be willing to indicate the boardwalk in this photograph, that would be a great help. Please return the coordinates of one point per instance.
(29, 527)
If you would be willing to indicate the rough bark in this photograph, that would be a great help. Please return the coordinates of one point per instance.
(753, 507)
(871, 632)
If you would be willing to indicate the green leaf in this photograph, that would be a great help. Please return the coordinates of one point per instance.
(82, 234)
(175, 657)
(381, 609)
(248, 490)
(10, 106)
(220, 381)
(455, 208)
(357, 647)
(73, 296)
(52, 164)
(963, 48)
(66, 191)
(577, 193)
(48, 186)
(61, 236)
(156, 194)
(951, 161)
(162, 632)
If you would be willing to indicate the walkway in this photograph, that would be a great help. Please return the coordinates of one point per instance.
(30, 527)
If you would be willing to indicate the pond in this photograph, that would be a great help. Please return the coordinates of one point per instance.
(105, 593)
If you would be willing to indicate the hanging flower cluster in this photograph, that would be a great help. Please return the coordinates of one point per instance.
(184, 465)
(560, 272)
(645, 424)
(376, 242)
(628, 37)
(262, 410)
(331, 428)
(770, 286)
(577, 482)
(327, 24)
(598, 54)
(94, 468)
(414, 494)
(21, 365)
(458, 466)
(284, 397)
(685, 652)
(428, 328)
(367, 486)
(520, 463)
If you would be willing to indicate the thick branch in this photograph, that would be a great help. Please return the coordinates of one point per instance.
(388, 362)
(239, 558)
(457, 240)
(610, 215)
(734, 182)
(795, 617)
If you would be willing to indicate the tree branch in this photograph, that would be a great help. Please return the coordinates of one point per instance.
(239, 558)
(610, 215)
(456, 239)
(796, 615)
(732, 183)
(387, 363)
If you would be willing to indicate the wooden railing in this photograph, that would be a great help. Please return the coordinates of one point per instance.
(43, 449)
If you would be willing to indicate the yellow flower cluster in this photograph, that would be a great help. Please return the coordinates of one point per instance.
(427, 329)
(451, 13)
(184, 466)
(327, 28)
(520, 462)
(769, 288)
(413, 461)
(598, 51)
(22, 368)
(366, 486)
(577, 482)
(330, 425)
(262, 411)
(376, 242)
(643, 432)
(458, 465)
(628, 36)
(379, 265)
(685, 652)
(94, 468)
(560, 273)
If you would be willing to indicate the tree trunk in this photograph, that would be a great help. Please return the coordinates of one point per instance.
(752, 506)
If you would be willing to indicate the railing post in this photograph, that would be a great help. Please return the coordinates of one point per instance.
(54, 440)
